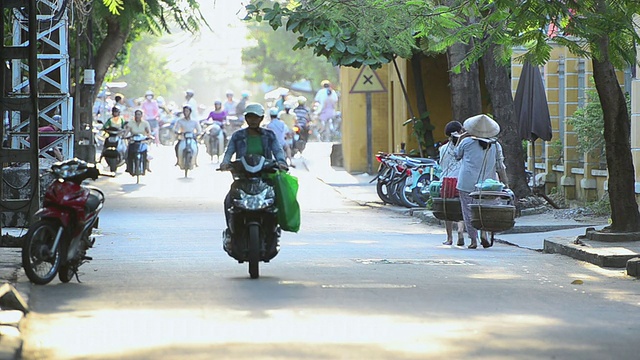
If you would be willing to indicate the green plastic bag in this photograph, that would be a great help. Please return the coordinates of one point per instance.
(286, 188)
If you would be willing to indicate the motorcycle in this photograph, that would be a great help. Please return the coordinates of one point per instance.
(253, 226)
(166, 135)
(300, 137)
(58, 242)
(187, 152)
(114, 149)
(404, 180)
(137, 156)
(211, 138)
(233, 124)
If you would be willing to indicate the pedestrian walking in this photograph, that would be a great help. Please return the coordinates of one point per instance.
(481, 158)
(450, 170)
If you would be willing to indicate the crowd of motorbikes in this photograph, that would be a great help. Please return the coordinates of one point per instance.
(57, 243)
(404, 180)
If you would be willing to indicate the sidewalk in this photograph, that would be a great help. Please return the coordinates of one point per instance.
(540, 232)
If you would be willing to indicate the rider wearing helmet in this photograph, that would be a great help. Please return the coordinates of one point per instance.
(242, 104)
(191, 101)
(138, 126)
(218, 116)
(252, 140)
(151, 112)
(230, 105)
(281, 130)
(302, 112)
(327, 100)
(185, 125)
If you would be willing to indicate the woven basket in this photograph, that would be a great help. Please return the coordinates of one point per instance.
(447, 209)
(493, 217)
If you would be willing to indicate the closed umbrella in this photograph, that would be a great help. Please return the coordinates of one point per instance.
(532, 110)
(531, 106)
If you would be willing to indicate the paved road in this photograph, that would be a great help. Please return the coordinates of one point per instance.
(355, 282)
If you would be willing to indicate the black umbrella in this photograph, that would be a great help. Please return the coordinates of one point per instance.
(531, 106)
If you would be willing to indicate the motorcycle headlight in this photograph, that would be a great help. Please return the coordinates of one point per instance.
(255, 202)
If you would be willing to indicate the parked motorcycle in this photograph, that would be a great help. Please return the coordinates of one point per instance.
(58, 242)
(254, 231)
(137, 156)
(403, 180)
(187, 152)
(211, 139)
(114, 149)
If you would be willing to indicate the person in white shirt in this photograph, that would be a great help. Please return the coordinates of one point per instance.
(185, 125)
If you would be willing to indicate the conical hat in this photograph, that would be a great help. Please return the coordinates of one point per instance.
(482, 126)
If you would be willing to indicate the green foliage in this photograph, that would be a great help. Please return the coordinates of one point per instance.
(341, 32)
(420, 128)
(556, 151)
(114, 6)
(601, 207)
(274, 61)
(588, 123)
(146, 70)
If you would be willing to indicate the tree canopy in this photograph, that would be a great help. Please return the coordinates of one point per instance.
(273, 61)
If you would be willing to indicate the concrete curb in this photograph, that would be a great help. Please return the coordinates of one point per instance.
(614, 257)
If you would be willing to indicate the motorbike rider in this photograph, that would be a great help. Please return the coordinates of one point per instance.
(218, 116)
(190, 100)
(327, 100)
(281, 130)
(185, 125)
(138, 126)
(303, 115)
(251, 140)
(242, 104)
(230, 105)
(151, 112)
(115, 120)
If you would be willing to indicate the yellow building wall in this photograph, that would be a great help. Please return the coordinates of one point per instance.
(354, 124)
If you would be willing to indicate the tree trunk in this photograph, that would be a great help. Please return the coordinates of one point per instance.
(117, 33)
(421, 104)
(466, 100)
(499, 86)
(617, 136)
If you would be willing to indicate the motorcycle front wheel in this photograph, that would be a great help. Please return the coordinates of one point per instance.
(39, 262)
(254, 251)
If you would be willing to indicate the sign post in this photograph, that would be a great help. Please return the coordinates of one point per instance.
(368, 82)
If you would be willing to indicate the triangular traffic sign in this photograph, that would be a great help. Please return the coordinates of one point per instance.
(367, 82)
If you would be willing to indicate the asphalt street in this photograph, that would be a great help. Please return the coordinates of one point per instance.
(356, 282)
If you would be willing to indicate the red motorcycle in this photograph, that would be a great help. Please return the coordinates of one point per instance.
(58, 242)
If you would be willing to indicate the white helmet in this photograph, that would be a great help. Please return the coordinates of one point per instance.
(302, 100)
(189, 91)
(149, 92)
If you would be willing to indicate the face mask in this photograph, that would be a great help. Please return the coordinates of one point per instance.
(149, 97)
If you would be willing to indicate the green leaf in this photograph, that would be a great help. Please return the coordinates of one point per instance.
(340, 46)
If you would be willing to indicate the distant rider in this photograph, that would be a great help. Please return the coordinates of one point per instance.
(151, 112)
(218, 116)
(185, 125)
(138, 126)
(281, 130)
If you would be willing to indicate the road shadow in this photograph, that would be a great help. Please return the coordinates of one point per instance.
(132, 187)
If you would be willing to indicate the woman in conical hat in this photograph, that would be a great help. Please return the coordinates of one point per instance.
(480, 158)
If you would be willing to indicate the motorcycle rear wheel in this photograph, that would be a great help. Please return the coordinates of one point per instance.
(382, 188)
(421, 191)
(113, 164)
(39, 264)
(406, 195)
(254, 251)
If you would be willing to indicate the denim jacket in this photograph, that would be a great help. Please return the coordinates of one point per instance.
(270, 145)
